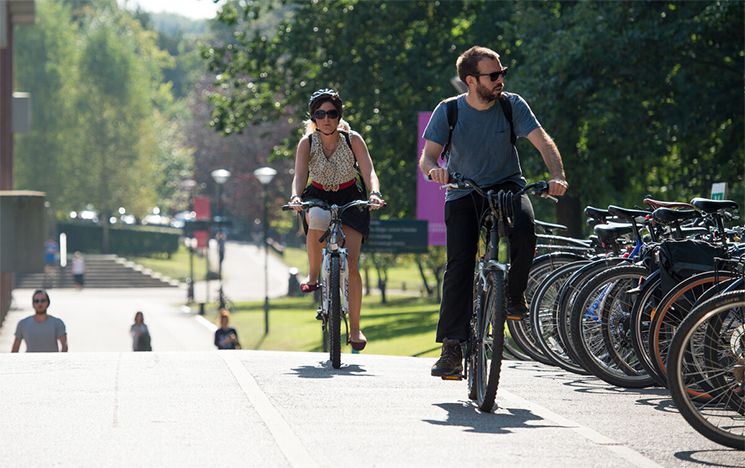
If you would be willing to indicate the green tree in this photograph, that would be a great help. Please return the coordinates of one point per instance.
(47, 58)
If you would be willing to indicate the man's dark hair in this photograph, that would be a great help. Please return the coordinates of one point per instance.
(42, 291)
(468, 62)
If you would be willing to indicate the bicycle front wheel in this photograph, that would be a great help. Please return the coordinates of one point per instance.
(490, 341)
(334, 332)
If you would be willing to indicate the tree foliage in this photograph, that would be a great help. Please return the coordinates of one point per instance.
(642, 98)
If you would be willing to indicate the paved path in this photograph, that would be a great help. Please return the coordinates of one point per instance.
(243, 275)
(263, 408)
(188, 405)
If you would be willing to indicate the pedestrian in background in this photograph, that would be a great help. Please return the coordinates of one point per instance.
(226, 337)
(41, 331)
(78, 270)
(51, 260)
(140, 334)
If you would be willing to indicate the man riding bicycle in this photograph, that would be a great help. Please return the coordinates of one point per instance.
(481, 147)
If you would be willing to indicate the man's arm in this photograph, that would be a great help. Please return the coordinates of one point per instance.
(63, 343)
(16, 345)
(550, 154)
(428, 162)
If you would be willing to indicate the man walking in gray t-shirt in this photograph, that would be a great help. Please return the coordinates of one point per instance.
(41, 331)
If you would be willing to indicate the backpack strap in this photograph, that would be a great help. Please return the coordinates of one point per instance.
(452, 112)
(507, 109)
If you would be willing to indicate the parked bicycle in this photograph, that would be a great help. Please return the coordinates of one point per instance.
(334, 281)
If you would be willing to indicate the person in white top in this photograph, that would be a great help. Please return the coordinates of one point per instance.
(78, 270)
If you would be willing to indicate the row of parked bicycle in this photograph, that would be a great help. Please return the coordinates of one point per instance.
(655, 297)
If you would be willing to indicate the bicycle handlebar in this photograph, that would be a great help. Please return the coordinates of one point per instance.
(539, 188)
(306, 205)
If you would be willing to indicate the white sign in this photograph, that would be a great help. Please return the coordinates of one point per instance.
(719, 190)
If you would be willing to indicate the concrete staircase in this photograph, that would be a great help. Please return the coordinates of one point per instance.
(101, 271)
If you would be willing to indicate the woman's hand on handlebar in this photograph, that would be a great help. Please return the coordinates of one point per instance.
(439, 175)
(296, 203)
(376, 201)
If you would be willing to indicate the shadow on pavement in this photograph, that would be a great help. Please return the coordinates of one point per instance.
(323, 370)
(700, 456)
(466, 415)
(657, 397)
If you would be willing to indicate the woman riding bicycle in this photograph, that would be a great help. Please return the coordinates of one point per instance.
(333, 155)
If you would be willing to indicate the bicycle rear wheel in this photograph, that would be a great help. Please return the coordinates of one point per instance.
(334, 331)
(490, 341)
(707, 357)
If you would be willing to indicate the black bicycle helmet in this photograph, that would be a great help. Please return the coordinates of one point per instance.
(323, 95)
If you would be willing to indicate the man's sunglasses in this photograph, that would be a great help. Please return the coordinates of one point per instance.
(39, 301)
(321, 114)
(493, 76)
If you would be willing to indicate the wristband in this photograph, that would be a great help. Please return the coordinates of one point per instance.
(377, 194)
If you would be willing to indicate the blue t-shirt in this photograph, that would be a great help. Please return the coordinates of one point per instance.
(480, 148)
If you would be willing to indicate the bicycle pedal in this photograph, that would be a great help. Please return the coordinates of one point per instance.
(452, 377)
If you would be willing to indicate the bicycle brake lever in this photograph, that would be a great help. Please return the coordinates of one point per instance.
(550, 197)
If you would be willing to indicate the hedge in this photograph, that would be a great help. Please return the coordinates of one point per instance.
(123, 240)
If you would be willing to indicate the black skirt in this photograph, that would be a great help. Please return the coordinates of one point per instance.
(359, 220)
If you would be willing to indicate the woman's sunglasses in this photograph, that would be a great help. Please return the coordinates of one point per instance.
(321, 114)
(39, 301)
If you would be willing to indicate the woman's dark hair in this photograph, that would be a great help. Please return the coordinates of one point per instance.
(325, 95)
(42, 291)
(139, 312)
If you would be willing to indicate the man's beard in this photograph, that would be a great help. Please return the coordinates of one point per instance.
(486, 94)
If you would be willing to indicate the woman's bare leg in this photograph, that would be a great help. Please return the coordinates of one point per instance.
(315, 254)
(354, 244)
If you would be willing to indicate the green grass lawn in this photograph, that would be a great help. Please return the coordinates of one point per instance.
(405, 277)
(177, 267)
(403, 327)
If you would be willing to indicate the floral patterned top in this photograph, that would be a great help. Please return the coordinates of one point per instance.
(335, 169)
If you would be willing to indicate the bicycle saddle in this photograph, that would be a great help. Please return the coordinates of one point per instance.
(608, 233)
(627, 213)
(550, 227)
(598, 214)
(712, 206)
(669, 216)
(654, 204)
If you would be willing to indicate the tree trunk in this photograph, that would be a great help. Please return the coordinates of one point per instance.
(424, 277)
(569, 213)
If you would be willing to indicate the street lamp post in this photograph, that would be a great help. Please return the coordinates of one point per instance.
(265, 176)
(220, 176)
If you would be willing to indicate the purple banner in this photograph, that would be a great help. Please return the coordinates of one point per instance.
(430, 198)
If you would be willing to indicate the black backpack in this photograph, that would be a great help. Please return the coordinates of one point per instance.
(452, 111)
(681, 259)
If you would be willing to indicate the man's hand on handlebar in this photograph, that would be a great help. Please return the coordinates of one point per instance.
(557, 187)
(439, 175)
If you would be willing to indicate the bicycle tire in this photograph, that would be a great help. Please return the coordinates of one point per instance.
(522, 331)
(606, 292)
(543, 317)
(334, 332)
(490, 340)
(691, 408)
(644, 309)
(568, 293)
(673, 308)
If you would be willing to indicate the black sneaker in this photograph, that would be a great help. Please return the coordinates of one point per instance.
(450, 363)
(517, 308)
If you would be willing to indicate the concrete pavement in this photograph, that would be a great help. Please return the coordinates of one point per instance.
(243, 274)
(263, 408)
(188, 405)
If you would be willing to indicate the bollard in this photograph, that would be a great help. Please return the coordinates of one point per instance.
(201, 308)
(293, 285)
